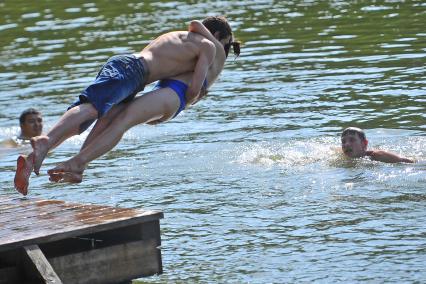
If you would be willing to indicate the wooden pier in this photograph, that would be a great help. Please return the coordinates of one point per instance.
(52, 241)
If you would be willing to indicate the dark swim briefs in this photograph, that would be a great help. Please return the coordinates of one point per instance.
(179, 88)
(119, 80)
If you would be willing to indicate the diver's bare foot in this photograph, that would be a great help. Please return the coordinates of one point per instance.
(69, 166)
(24, 166)
(66, 177)
(40, 146)
(66, 172)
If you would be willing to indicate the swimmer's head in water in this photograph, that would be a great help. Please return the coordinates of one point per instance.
(31, 123)
(354, 142)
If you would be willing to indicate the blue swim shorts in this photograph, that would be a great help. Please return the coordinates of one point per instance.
(119, 80)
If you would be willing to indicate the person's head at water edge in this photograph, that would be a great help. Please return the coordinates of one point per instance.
(221, 30)
(31, 123)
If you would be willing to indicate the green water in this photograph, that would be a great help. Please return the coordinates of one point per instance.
(250, 182)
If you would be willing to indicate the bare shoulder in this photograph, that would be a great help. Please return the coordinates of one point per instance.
(173, 35)
(188, 40)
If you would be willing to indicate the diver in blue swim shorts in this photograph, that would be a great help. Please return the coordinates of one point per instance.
(119, 80)
(185, 58)
(161, 104)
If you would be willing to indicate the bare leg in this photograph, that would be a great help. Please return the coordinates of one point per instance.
(103, 123)
(157, 105)
(66, 175)
(70, 124)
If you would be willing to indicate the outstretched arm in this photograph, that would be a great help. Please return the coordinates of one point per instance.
(387, 157)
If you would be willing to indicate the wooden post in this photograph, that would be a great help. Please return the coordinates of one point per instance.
(37, 267)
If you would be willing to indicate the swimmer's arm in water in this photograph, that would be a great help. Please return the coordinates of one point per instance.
(387, 157)
(206, 56)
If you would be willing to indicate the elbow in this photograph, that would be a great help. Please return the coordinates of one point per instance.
(193, 25)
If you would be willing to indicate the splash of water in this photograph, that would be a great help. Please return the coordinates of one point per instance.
(288, 154)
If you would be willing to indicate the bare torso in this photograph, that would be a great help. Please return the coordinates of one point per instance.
(214, 70)
(212, 74)
(172, 54)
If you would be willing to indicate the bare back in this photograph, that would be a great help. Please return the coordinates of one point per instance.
(215, 68)
(171, 54)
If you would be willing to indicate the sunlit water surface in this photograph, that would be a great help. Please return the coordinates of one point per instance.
(250, 180)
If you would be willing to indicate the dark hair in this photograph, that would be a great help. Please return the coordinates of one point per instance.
(26, 112)
(354, 130)
(220, 24)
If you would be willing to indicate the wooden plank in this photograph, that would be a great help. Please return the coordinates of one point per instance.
(37, 267)
(21, 205)
(44, 210)
(52, 224)
(63, 233)
(55, 220)
(35, 218)
(26, 210)
(112, 264)
(15, 203)
(43, 217)
(25, 201)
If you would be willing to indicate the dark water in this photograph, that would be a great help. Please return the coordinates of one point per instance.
(250, 181)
